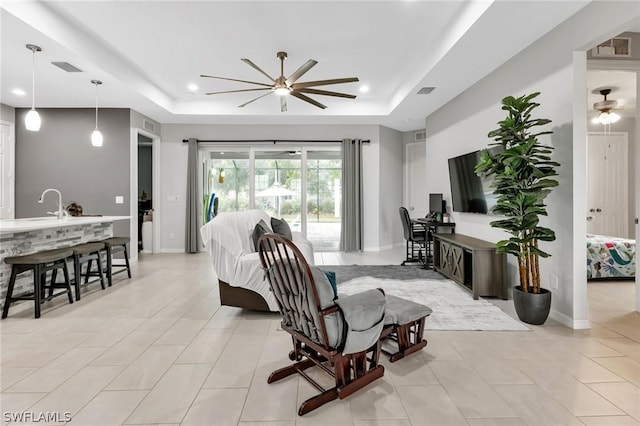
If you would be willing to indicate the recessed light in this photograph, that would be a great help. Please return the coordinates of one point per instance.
(192, 87)
(364, 88)
(18, 92)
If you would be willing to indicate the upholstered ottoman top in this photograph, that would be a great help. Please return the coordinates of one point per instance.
(401, 311)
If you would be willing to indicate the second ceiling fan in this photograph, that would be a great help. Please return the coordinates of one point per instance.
(288, 86)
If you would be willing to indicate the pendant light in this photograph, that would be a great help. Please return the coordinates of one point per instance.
(32, 120)
(96, 136)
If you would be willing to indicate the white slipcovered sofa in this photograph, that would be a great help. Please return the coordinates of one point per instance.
(228, 239)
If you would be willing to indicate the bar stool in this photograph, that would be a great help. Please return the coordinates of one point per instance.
(87, 253)
(115, 245)
(40, 263)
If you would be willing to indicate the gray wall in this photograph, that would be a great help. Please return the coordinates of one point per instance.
(61, 156)
(628, 125)
(7, 113)
(390, 187)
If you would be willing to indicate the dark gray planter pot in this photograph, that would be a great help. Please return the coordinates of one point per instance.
(532, 308)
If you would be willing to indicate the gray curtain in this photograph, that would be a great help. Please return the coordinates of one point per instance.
(352, 217)
(191, 228)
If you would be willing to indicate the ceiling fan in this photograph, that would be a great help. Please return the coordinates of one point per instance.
(283, 86)
(606, 116)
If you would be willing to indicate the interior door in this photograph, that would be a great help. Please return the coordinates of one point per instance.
(7, 175)
(608, 180)
(417, 198)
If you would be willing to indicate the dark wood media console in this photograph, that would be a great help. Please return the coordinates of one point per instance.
(472, 263)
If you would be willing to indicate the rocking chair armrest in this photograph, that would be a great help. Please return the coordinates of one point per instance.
(363, 314)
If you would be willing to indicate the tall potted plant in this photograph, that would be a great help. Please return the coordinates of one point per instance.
(522, 175)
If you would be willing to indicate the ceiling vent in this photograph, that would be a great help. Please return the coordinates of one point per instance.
(147, 125)
(420, 136)
(66, 66)
(426, 90)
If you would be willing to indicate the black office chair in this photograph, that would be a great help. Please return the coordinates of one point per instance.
(416, 236)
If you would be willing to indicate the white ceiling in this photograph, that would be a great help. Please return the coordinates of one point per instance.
(147, 52)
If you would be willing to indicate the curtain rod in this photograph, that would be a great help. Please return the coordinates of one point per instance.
(271, 140)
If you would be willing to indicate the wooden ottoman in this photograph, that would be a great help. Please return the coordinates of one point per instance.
(404, 324)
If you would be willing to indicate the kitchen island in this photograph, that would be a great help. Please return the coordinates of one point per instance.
(29, 235)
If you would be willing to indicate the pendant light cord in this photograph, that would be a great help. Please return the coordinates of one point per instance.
(33, 79)
(96, 106)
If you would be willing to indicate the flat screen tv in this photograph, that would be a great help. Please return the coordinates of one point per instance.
(469, 192)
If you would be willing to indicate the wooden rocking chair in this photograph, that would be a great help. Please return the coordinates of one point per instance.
(342, 337)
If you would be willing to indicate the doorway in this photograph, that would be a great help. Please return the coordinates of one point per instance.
(613, 179)
(145, 194)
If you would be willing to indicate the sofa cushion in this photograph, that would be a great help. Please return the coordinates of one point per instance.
(260, 229)
(280, 226)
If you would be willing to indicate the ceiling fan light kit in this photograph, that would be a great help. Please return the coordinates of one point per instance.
(283, 86)
(605, 106)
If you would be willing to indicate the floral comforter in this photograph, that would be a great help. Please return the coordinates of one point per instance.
(610, 257)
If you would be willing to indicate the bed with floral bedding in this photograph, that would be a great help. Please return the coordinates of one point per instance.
(610, 257)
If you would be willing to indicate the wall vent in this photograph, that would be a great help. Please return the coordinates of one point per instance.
(617, 46)
(426, 90)
(420, 136)
(66, 66)
(147, 125)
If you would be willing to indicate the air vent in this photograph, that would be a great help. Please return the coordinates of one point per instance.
(420, 136)
(426, 90)
(147, 125)
(66, 66)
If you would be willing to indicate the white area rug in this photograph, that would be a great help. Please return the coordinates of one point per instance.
(453, 307)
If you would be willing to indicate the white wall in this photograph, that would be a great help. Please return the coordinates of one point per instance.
(174, 168)
(462, 125)
(7, 113)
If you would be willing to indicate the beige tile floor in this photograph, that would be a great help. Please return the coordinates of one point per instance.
(160, 350)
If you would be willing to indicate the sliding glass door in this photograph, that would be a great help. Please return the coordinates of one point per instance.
(301, 184)
(324, 199)
(278, 185)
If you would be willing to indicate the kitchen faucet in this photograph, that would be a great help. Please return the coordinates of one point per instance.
(61, 213)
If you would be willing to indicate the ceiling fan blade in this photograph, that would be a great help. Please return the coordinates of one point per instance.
(283, 103)
(325, 93)
(234, 79)
(300, 71)
(324, 82)
(257, 68)
(236, 91)
(307, 99)
(254, 99)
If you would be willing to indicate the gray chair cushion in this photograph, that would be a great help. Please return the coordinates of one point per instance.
(364, 315)
(402, 311)
(280, 226)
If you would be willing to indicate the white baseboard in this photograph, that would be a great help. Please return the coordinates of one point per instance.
(171, 250)
(382, 248)
(569, 322)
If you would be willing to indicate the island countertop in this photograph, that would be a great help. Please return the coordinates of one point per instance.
(37, 223)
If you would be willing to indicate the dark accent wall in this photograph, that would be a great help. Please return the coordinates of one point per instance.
(61, 156)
